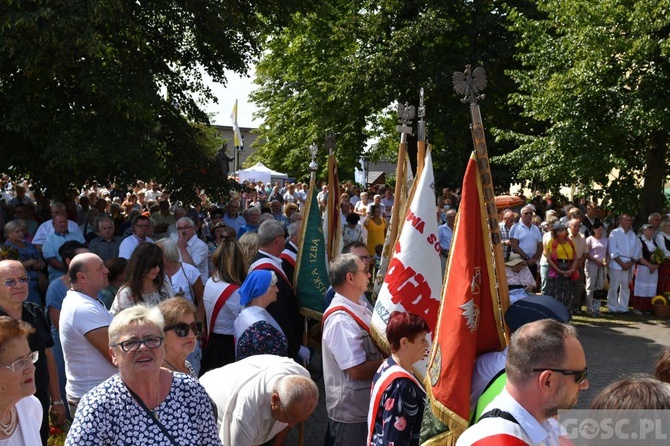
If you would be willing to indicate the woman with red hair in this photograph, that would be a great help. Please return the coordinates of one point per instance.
(397, 401)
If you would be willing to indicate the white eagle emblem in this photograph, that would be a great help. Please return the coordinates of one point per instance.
(471, 314)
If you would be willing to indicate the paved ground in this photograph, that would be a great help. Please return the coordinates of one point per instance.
(613, 349)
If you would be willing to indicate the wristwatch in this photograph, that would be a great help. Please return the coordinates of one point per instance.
(58, 403)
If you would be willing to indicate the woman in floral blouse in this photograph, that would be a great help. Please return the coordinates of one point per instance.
(397, 401)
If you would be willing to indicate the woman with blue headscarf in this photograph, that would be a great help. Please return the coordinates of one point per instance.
(256, 331)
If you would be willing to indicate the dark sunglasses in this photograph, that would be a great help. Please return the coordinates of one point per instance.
(580, 375)
(181, 329)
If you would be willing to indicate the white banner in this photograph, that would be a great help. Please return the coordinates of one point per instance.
(413, 282)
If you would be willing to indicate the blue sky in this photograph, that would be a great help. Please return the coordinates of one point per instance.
(237, 88)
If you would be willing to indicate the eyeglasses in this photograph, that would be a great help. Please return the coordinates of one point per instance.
(181, 329)
(132, 345)
(142, 226)
(183, 228)
(364, 270)
(580, 375)
(12, 282)
(365, 259)
(20, 364)
(526, 213)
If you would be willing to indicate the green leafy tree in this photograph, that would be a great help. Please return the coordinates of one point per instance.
(343, 67)
(112, 89)
(594, 89)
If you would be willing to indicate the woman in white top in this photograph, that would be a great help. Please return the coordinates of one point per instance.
(20, 411)
(186, 282)
(222, 303)
(596, 260)
(146, 282)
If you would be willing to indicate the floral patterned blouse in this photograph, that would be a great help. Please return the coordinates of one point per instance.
(109, 415)
(261, 338)
(398, 421)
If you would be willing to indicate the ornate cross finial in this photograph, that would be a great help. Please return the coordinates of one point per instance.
(405, 115)
(313, 149)
(470, 84)
(330, 142)
(422, 108)
(421, 125)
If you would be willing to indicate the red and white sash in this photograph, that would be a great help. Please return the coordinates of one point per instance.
(290, 256)
(388, 376)
(220, 302)
(337, 308)
(265, 263)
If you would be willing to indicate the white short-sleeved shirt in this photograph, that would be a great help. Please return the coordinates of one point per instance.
(528, 238)
(85, 366)
(226, 317)
(129, 244)
(183, 280)
(244, 416)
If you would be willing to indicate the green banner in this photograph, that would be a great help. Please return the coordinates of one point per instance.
(311, 268)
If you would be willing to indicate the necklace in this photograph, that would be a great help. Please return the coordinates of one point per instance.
(173, 367)
(154, 412)
(8, 429)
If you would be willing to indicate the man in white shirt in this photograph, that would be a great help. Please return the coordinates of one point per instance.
(624, 251)
(546, 371)
(83, 328)
(263, 397)
(141, 226)
(350, 358)
(47, 228)
(192, 250)
(526, 239)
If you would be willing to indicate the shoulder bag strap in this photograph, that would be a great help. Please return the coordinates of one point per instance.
(152, 416)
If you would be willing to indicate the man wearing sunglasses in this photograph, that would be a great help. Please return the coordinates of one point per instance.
(546, 370)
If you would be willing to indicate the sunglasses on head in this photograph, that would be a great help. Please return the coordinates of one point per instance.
(181, 329)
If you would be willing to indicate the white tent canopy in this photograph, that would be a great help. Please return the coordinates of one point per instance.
(259, 172)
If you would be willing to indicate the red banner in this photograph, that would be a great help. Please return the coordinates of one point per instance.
(469, 321)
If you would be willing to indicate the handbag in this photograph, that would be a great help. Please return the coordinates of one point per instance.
(601, 294)
(575, 275)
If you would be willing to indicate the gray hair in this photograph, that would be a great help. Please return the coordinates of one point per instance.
(252, 210)
(185, 220)
(340, 266)
(538, 344)
(294, 228)
(652, 216)
(528, 207)
(295, 390)
(268, 231)
(13, 225)
(169, 248)
(99, 219)
(137, 314)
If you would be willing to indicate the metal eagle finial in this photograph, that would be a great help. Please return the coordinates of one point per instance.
(406, 113)
(470, 84)
(330, 142)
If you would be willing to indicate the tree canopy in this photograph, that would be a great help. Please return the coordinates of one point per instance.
(342, 68)
(112, 89)
(594, 89)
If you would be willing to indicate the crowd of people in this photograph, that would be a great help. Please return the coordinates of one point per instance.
(184, 319)
(585, 260)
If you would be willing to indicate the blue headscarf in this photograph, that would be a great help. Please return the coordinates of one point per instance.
(256, 284)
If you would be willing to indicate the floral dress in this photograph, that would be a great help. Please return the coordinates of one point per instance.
(398, 421)
(109, 415)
